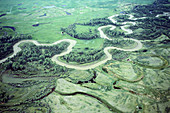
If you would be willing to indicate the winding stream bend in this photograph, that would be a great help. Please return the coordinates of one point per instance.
(17, 49)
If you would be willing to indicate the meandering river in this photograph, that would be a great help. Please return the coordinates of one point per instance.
(17, 49)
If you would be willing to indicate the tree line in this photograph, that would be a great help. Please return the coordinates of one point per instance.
(83, 57)
(36, 59)
(71, 29)
(151, 10)
(122, 18)
(153, 28)
(118, 43)
(113, 33)
(88, 35)
(7, 42)
(97, 22)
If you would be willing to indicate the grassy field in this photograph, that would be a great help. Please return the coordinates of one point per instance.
(130, 81)
(49, 27)
(96, 43)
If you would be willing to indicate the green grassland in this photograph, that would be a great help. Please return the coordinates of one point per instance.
(55, 18)
(130, 82)
(97, 44)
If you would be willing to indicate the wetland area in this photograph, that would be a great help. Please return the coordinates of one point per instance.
(74, 56)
